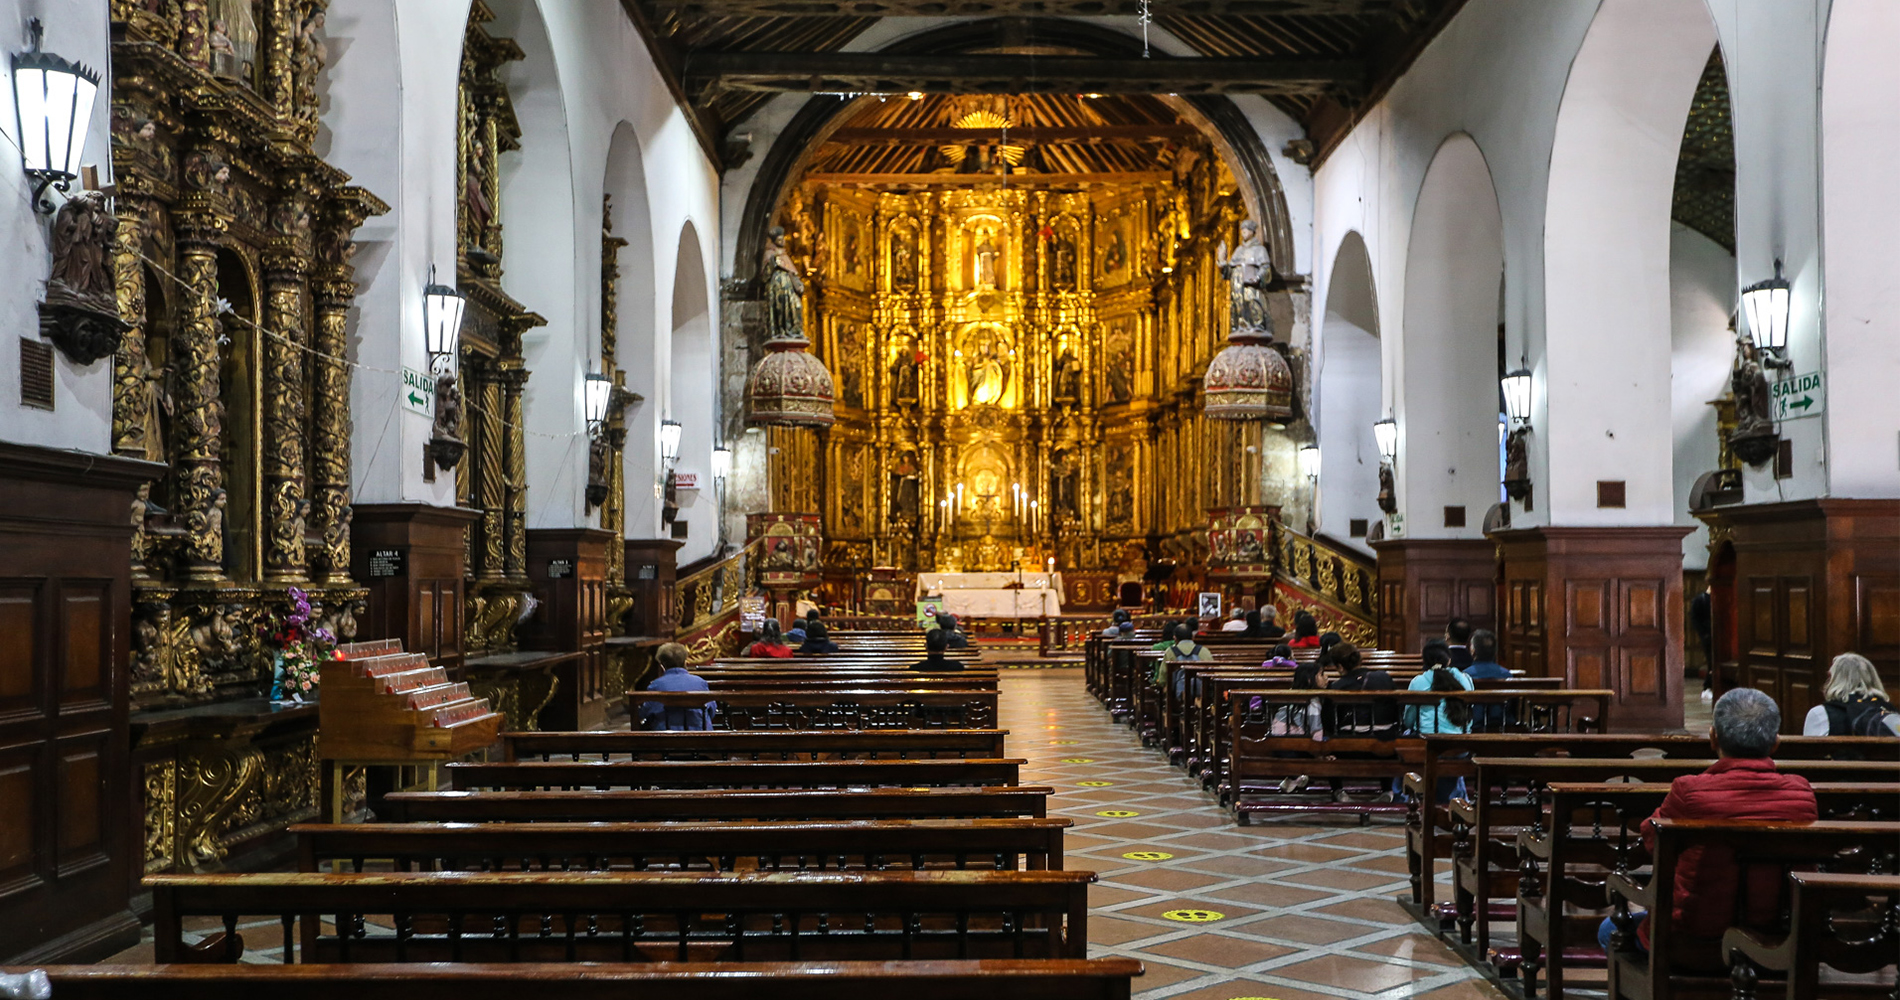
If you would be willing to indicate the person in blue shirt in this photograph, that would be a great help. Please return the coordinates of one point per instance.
(1438, 675)
(1485, 667)
(675, 677)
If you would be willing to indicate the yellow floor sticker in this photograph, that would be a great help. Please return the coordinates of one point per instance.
(1195, 916)
(1118, 813)
(1095, 784)
(1147, 855)
(1078, 760)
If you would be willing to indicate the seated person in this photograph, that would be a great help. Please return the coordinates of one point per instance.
(1438, 675)
(1182, 648)
(795, 636)
(935, 642)
(1305, 630)
(1458, 639)
(1485, 667)
(948, 623)
(675, 677)
(1742, 786)
(1854, 702)
(817, 643)
(1236, 621)
(1115, 622)
(1379, 719)
(1269, 627)
(769, 643)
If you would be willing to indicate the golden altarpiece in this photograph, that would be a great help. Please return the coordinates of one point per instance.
(1018, 363)
(234, 271)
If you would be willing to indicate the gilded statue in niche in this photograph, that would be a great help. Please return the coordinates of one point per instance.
(1118, 476)
(1115, 254)
(984, 257)
(1118, 348)
(851, 364)
(905, 487)
(1068, 376)
(903, 259)
(986, 357)
(906, 365)
(1247, 273)
(784, 291)
(1063, 262)
(848, 245)
(851, 497)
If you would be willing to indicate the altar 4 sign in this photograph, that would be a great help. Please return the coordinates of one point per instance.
(1800, 396)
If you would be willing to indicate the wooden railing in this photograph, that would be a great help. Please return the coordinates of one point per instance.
(709, 602)
(1337, 579)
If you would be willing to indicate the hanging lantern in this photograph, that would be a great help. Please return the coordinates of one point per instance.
(790, 386)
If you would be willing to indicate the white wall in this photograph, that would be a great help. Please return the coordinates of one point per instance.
(1701, 296)
(691, 397)
(1347, 395)
(81, 418)
(1860, 140)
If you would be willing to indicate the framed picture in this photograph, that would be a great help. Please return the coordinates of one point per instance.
(1210, 605)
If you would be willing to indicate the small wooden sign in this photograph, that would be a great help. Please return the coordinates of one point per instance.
(386, 562)
(560, 569)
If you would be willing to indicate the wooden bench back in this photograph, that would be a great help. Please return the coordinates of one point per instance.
(759, 744)
(738, 804)
(1001, 979)
(996, 844)
(796, 708)
(733, 774)
(1832, 922)
(632, 916)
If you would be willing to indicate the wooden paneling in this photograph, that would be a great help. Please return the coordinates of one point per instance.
(652, 575)
(568, 567)
(1602, 608)
(67, 847)
(422, 605)
(1813, 579)
(1423, 583)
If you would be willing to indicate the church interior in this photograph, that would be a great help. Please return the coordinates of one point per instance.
(723, 496)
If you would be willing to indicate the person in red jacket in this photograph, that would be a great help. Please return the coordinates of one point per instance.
(1742, 786)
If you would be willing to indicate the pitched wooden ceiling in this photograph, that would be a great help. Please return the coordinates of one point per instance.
(1321, 61)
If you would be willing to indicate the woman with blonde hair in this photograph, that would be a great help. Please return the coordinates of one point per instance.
(1855, 702)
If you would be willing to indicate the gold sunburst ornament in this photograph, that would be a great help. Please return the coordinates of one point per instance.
(984, 118)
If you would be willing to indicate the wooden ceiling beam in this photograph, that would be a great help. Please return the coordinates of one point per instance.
(947, 136)
(886, 73)
(996, 8)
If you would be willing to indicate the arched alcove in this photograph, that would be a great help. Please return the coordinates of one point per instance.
(637, 347)
(538, 213)
(1348, 394)
(1605, 373)
(1446, 402)
(690, 394)
(1860, 140)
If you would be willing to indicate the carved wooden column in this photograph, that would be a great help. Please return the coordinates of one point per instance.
(486, 491)
(285, 286)
(329, 487)
(514, 378)
(198, 497)
(132, 375)
(194, 37)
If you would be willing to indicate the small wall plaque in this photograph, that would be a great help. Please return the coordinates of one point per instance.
(560, 569)
(647, 571)
(386, 562)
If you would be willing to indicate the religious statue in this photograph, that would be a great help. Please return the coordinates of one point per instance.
(206, 528)
(850, 254)
(904, 484)
(599, 470)
(904, 375)
(1120, 371)
(475, 207)
(311, 54)
(784, 291)
(1115, 255)
(207, 172)
(1068, 376)
(986, 254)
(81, 312)
(1517, 465)
(903, 260)
(851, 367)
(1067, 483)
(1754, 439)
(1388, 493)
(986, 371)
(224, 55)
(1064, 269)
(445, 440)
(1247, 273)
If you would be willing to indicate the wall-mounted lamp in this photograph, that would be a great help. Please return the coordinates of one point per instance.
(442, 308)
(670, 441)
(721, 463)
(599, 391)
(1386, 433)
(1516, 388)
(1766, 303)
(52, 99)
(1309, 462)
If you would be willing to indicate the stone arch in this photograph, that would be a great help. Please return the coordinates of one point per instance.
(538, 217)
(1603, 379)
(1219, 118)
(1347, 393)
(635, 336)
(691, 392)
(1446, 400)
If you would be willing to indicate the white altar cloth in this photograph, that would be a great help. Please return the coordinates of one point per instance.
(943, 583)
(1029, 602)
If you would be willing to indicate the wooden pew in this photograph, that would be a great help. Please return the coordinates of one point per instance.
(997, 844)
(629, 916)
(731, 804)
(1680, 967)
(793, 708)
(1451, 756)
(1504, 797)
(1831, 924)
(1590, 829)
(1254, 747)
(995, 979)
(733, 774)
(759, 744)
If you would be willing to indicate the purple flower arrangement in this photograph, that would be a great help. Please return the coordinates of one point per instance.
(301, 649)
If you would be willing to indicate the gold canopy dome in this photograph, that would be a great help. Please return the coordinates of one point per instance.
(790, 386)
(1248, 380)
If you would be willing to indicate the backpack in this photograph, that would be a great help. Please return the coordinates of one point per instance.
(1859, 717)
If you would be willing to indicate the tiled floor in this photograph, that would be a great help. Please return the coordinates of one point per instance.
(1218, 911)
